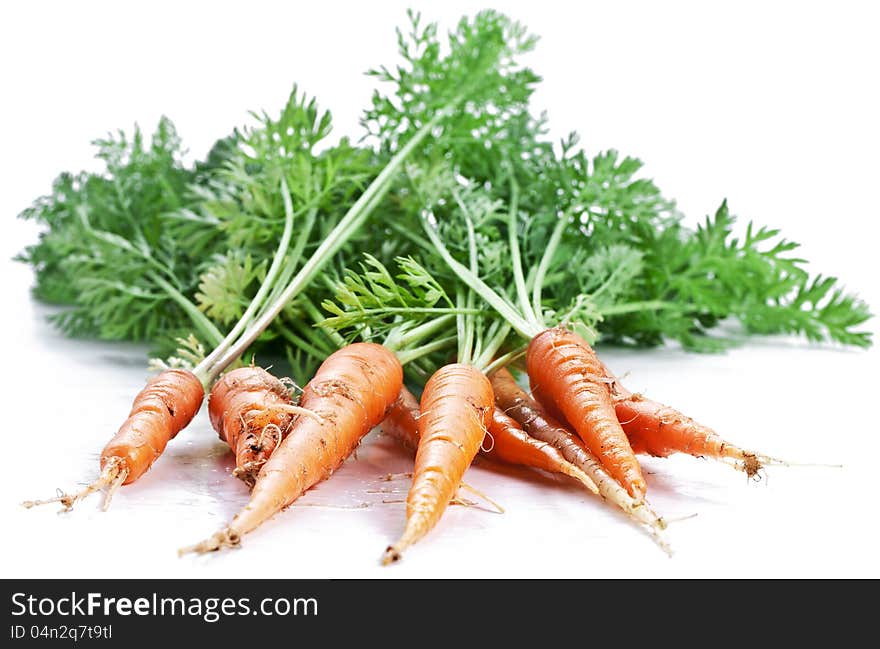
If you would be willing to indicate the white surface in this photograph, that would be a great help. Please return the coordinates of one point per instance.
(772, 106)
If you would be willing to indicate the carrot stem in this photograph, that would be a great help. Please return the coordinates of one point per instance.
(504, 308)
(544, 266)
(513, 237)
(344, 229)
(266, 286)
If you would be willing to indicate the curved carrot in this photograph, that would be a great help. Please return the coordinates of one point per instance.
(542, 423)
(161, 410)
(251, 410)
(535, 420)
(507, 441)
(658, 430)
(568, 373)
(511, 444)
(349, 395)
(402, 420)
(456, 408)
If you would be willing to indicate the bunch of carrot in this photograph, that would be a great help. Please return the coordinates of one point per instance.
(494, 237)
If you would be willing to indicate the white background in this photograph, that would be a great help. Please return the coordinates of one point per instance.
(772, 105)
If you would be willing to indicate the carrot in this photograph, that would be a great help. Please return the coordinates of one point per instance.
(512, 445)
(571, 378)
(402, 420)
(161, 410)
(349, 395)
(658, 430)
(456, 409)
(252, 411)
(534, 419)
(507, 441)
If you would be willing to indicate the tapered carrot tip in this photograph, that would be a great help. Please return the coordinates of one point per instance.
(653, 523)
(227, 538)
(392, 555)
(752, 463)
(112, 476)
(248, 472)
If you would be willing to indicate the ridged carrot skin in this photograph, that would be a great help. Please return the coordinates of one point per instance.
(456, 408)
(402, 420)
(162, 409)
(349, 395)
(569, 375)
(538, 423)
(659, 430)
(247, 409)
(507, 441)
(513, 445)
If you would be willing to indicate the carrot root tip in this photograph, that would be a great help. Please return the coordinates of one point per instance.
(247, 473)
(391, 555)
(227, 538)
(751, 464)
(112, 476)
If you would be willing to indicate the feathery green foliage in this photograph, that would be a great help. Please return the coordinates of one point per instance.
(152, 249)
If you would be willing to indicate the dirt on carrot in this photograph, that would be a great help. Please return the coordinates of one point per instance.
(505, 442)
(456, 408)
(161, 410)
(513, 445)
(656, 429)
(349, 395)
(538, 423)
(252, 411)
(570, 377)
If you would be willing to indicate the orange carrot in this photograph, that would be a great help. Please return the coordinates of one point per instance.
(568, 373)
(506, 442)
(161, 410)
(658, 430)
(532, 416)
(540, 421)
(349, 395)
(456, 409)
(252, 411)
(402, 420)
(512, 445)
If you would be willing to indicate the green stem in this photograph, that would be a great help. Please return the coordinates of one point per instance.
(338, 236)
(399, 341)
(493, 344)
(647, 305)
(407, 233)
(199, 319)
(314, 335)
(469, 321)
(414, 310)
(301, 343)
(544, 266)
(461, 328)
(523, 327)
(555, 278)
(513, 237)
(318, 317)
(505, 360)
(296, 254)
(267, 285)
(415, 353)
